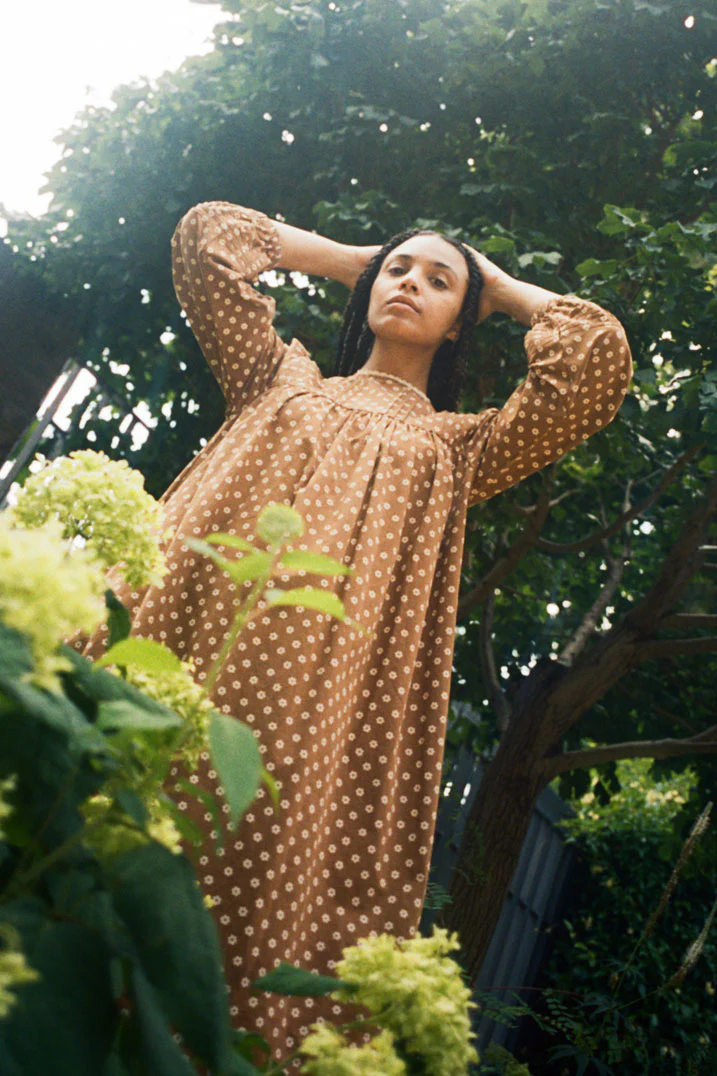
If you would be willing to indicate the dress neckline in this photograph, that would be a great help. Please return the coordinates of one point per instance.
(393, 377)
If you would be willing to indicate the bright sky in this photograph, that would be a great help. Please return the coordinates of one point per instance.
(59, 55)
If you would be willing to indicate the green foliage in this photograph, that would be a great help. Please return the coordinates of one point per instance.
(614, 990)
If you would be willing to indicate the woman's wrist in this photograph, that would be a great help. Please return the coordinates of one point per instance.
(517, 298)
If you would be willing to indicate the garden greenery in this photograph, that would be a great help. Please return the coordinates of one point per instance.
(632, 978)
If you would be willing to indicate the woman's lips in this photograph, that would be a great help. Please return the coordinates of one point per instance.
(399, 300)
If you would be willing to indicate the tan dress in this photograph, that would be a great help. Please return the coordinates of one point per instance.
(351, 725)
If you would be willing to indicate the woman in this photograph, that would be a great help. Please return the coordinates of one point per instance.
(383, 469)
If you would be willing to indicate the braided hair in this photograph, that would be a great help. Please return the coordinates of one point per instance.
(448, 368)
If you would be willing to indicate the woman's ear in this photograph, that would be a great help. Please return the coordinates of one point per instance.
(454, 332)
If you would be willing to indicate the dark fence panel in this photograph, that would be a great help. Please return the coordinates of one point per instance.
(536, 897)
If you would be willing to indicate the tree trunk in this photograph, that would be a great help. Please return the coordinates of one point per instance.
(499, 820)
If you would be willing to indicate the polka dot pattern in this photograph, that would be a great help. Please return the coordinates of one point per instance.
(351, 726)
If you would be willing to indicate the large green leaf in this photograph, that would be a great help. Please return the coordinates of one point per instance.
(119, 622)
(156, 895)
(319, 563)
(142, 654)
(121, 714)
(15, 654)
(236, 757)
(290, 979)
(310, 597)
(153, 1040)
(232, 541)
(65, 1023)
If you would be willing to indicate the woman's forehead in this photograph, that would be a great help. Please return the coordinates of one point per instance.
(434, 249)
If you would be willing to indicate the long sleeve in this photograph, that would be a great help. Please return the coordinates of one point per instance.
(217, 249)
(579, 371)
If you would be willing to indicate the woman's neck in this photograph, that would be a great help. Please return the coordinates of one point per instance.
(402, 360)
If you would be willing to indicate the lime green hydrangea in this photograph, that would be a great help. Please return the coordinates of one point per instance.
(178, 690)
(109, 832)
(428, 999)
(47, 591)
(334, 1057)
(5, 808)
(104, 502)
(14, 970)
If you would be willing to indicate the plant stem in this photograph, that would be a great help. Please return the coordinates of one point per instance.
(241, 618)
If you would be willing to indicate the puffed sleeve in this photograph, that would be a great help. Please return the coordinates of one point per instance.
(217, 249)
(579, 371)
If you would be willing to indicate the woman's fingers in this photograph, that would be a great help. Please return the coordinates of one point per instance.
(493, 277)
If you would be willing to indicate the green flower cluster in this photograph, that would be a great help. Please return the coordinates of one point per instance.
(109, 832)
(5, 809)
(178, 690)
(14, 970)
(422, 991)
(332, 1056)
(47, 591)
(104, 502)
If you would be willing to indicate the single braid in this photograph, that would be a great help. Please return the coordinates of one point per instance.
(448, 369)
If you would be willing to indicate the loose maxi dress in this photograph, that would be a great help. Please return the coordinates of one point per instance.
(351, 725)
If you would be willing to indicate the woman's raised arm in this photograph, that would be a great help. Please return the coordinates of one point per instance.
(306, 252)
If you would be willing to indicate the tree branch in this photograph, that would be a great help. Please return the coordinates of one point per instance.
(528, 509)
(672, 648)
(617, 566)
(688, 620)
(598, 756)
(590, 620)
(511, 558)
(582, 544)
(616, 652)
(490, 674)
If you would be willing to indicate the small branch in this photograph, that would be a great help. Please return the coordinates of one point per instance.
(590, 620)
(598, 756)
(490, 674)
(617, 566)
(528, 509)
(672, 648)
(582, 544)
(688, 620)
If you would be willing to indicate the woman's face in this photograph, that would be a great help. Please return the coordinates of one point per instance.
(418, 293)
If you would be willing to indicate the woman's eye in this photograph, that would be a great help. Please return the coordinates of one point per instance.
(439, 282)
(395, 270)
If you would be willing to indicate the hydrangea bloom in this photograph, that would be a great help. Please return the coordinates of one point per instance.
(178, 690)
(13, 969)
(104, 502)
(428, 998)
(47, 591)
(333, 1057)
(110, 834)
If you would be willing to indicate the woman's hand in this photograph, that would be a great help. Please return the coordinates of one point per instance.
(505, 294)
(495, 281)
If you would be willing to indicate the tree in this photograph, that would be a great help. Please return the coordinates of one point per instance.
(575, 143)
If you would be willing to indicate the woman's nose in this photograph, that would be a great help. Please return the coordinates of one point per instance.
(409, 281)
